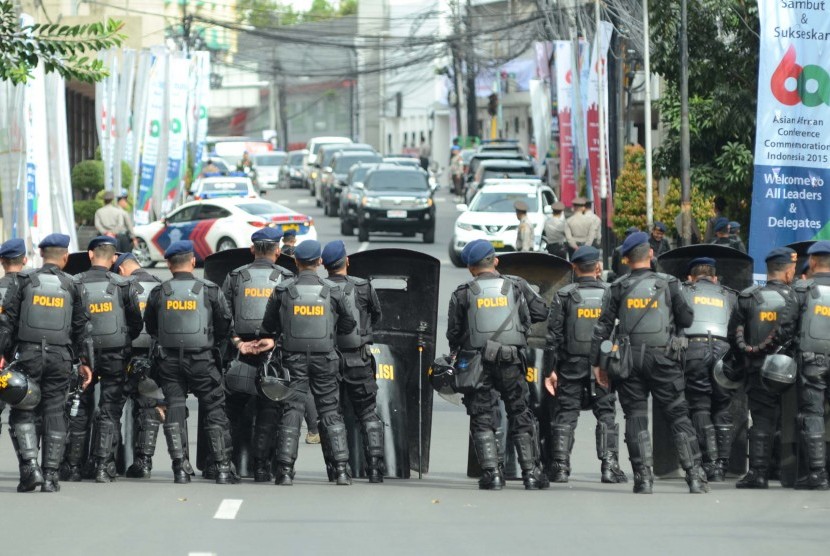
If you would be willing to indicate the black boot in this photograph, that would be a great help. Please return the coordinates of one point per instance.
(491, 475)
(640, 454)
(339, 449)
(222, 448)
(816, 479)
(71, 467)
(102, 451)
(176, 447)
(145, 448)
(24, 438)
(688, 452)
(54, 444)
(723, 437)
(760, 448)
(324, 446)
(373, 446)
(288, 439)
(263, 447)
(709, 446)
(561, 440)
(527, 452)
(607, 450)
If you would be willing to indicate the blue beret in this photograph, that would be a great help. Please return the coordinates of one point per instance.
(819, 248)
(476, 250)
(13, 248)
(782, 255)
(632, 241)
(734, 225)
(267, 233)
(178, 248)
(721, 224)
(101, 240)
(54, 240)
(121, 258)
(585, 254)
(631, 230)
(289, 233)
(333, 252)
(309, 250)
(708, 261)
(659, 226)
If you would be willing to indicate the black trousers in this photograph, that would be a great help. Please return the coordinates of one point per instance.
(509, 380)
(359, 384)
(812, 390)
(195, 372)
(315, 372)
(705, 396)
(574, 384)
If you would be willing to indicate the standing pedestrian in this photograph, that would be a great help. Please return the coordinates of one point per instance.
(657, 240)
(581, 225)
(524, 234)
(112, 221)
(424, 153)
(556, 232)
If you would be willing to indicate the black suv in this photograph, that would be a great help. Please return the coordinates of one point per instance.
(335, 181)
(395, 199)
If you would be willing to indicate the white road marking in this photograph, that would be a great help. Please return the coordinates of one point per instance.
(228, 509)
(201, 554)
(363, 247)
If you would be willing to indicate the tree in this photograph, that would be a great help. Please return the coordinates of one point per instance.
(66, 49)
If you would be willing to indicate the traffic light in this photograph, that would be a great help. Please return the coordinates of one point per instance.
(493, 104)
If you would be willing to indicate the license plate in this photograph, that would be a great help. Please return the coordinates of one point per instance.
(497, 244)
(395, 214)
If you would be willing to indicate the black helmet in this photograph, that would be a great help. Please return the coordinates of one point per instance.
(778, 372)
(726, 375)
(17, 390)
(273, 380)
(139, 367)
(442, 377)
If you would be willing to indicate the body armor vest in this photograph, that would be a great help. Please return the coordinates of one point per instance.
(184, 318)
(814, 330)
(712, 307)
(46, 310)
(306, 317)
(5, 283)
(143, 290)
(253, 286)
(584, 309)
(491, 303)
(765, 314)
(353, 339)
(654, 327)
(106, 309)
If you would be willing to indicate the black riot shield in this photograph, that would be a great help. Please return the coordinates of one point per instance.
(77, 263)
(219, 265)
(734, 270)
(801, 247)
(547, 274)
(407, 286)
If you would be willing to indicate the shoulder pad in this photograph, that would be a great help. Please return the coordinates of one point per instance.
(206, 283)
(284, 271)
(117, 279)
(26, 272)
(666, 277)
(750, 291)
(333, 286)
(284, 285)
(618, 283)
(804, 285)
(727, 289)
(567, 290)
(357, 281)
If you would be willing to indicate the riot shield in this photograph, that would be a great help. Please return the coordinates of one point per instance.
(77, 263)
(734, 270)
(547, 274)
(407, 286)
(801, 247)
(219, 265)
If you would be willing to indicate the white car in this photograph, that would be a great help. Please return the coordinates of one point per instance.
(267, 166)
(491, 215)
(217, 225)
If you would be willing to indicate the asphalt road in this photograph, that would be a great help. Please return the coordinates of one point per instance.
(442, 514)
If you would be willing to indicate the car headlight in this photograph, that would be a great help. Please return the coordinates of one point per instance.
(425, 203)
(464, 226)
(370, 202)
(313, 175)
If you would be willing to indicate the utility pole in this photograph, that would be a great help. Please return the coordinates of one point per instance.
(685, 156)
(647, 108)
(469, 55)
(455, 51)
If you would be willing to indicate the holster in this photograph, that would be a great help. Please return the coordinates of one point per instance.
(491, 351)
(677, 348)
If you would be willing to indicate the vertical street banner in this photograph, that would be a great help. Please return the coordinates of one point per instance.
(122, 116)
(598, 81)
(582, 61)
(178, 89)
(12, 160)
(151, 140)
(106, 91)
(135, 133)
(564, 100)
(792, 141)
(37, 185)
(60, 181)
(199, 108)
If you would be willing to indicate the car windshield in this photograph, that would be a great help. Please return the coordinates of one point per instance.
(263, 209)
(343, 163)
(409, 162)
(492, 201)
(359, 173)
(498, 172)
(390, 180)
(224, 186)
(269, 159)
(296, 159)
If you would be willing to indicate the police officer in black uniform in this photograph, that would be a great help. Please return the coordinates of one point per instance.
(764, 322)
(573, 313)
(497, 308)
(708, 335)
(723, 237)
(116, 321)
(148, 412)
(357, 363)
(189, 318)
(247, 290)
(814, 364)
(46, 316)
(307, 314)
(651, 310)
(618, 268)
(12, 259)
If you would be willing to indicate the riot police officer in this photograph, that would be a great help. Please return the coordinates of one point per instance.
(573, 313)
(651, 310)
(356, 359)
(814, 363)
(247, 290)
(189, 319)
(289, 242)
(709, 403)
(764, 322)
(12, 259)
(45, 316)
(148, 413)
(307, 314)
(116, 321)
(493, 310)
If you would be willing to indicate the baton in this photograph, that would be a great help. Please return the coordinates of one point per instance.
(421, 329)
